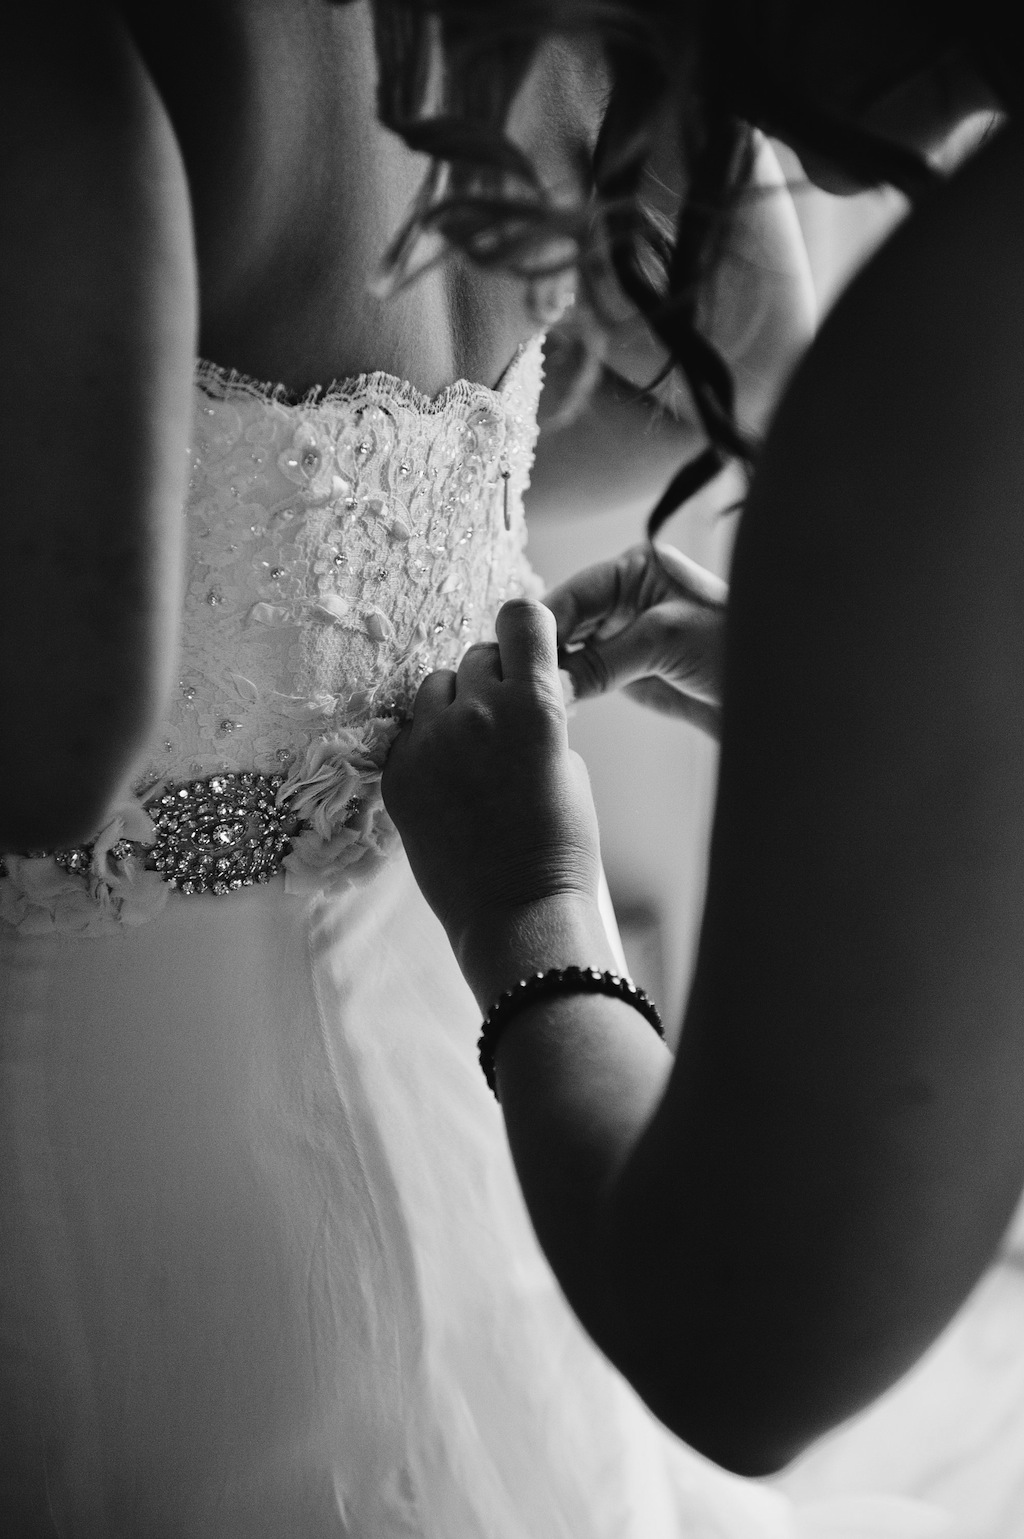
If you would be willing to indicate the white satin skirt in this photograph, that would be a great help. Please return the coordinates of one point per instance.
(265, 1271)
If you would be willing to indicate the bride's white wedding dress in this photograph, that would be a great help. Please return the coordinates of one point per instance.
(265, 1271)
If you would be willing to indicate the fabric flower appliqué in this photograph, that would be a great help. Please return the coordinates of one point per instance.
(335, 790)
(38, 895)
(309, 463)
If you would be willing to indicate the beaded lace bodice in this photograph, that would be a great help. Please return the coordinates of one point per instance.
(339, 549)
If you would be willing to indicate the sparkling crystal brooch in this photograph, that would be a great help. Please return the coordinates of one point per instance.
(215, 835)
(221, 834)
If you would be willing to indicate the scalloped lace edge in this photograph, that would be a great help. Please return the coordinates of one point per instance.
(221, 383)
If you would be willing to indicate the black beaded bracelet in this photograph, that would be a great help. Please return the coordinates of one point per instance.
(557, 980)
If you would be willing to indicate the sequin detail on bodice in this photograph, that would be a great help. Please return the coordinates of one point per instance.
(339, 549)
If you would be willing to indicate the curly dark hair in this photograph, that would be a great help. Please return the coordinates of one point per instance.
(449, 73)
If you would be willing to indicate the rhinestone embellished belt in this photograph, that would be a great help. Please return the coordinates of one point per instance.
(217, 835)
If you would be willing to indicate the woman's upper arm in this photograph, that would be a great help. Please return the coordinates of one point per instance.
(97, 324)
(842, 1141)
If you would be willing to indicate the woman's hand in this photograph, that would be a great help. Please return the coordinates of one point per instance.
(494, 810)
(653, 627)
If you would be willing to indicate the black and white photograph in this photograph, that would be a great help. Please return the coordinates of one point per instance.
(511, 770)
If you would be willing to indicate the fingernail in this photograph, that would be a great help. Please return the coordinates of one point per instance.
(568, 684)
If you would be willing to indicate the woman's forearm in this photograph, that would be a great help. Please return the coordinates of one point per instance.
(579, 1076)
(97, 327)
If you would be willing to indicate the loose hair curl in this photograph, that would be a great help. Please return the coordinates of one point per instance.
(449, 71)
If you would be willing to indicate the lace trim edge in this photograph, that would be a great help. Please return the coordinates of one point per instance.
(219, 384)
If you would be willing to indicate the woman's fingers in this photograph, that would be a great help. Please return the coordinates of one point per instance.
(651, 622)
(435, 693)
(664, 698)
(678, 642)
(587, 598)
(690, 578)
(602, 599)
(480, 665)
(527, 641)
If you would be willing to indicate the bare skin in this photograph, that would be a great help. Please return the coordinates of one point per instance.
(652, 625)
